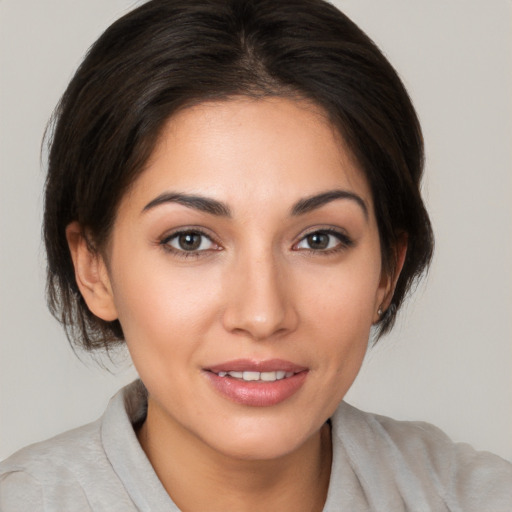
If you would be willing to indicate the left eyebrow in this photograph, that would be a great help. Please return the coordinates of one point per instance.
(314, 202)
(203, 204)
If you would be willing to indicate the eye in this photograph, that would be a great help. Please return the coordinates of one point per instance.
(324, 240)
(189, 241)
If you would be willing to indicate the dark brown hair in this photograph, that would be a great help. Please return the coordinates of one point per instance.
(169, 54)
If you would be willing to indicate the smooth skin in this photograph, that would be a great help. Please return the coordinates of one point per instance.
(253, 269)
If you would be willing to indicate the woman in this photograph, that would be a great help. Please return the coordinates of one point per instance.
(233, 192)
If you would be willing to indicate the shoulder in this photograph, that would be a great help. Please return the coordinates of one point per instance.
(83, 441)
(79, 470)
(420, 455)
(52, 466)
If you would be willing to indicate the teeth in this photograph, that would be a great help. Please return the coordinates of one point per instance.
(255, 376)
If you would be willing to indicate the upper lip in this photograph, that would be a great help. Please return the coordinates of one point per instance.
(251, 365)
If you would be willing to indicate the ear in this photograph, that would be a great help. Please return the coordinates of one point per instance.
(91, 274)
(388, 281)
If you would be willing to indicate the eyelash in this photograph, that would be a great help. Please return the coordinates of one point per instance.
(344, 242)
(183, 253)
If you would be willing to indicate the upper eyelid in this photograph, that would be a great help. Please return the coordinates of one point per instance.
(166, 239)
(187, 229)
(324, 229)
(343, 237)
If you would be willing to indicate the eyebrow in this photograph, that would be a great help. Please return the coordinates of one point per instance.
(201, 203)
(317, 201)
(220, 209)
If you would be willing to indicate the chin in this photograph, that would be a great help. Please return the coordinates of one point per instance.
(258, 450)
(263, 442)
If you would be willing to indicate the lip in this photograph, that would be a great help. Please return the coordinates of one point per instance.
(257, 393)
(251, 365)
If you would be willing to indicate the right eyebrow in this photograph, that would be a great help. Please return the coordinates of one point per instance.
(197, 202)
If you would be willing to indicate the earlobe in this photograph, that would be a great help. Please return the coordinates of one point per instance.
(388, 282)
(91, 274)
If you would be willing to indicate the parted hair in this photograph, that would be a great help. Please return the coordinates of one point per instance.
(169, 54)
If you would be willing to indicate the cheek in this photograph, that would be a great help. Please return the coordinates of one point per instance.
(339, 312)
(160, 307)
(343, 296)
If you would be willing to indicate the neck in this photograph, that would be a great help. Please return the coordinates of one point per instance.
(198, 478)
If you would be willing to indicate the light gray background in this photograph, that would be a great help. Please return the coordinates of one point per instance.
(449, 360)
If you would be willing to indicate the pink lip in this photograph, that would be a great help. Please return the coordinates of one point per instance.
(250, 365)
(257, 393)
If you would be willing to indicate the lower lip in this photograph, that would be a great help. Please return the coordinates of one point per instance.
(257, 393)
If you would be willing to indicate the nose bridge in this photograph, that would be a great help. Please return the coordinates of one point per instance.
(259, 305)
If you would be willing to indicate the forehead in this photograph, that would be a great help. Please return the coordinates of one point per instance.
(250, 152)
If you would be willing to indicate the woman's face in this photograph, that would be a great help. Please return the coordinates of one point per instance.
(245, 269)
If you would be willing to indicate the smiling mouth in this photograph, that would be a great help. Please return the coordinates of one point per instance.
(252, 376)
(257, 383)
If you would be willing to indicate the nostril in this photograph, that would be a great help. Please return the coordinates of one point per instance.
(260, 328)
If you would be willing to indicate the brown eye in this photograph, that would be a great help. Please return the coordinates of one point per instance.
(189, 241)
(318, 241)
(324, 241)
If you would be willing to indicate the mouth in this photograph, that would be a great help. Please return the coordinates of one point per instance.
(250, 376)
(257, 383)
(249, 370)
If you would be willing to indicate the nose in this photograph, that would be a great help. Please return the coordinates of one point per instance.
(260, 304)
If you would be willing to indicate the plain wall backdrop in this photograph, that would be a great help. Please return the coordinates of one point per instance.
(449, 360)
